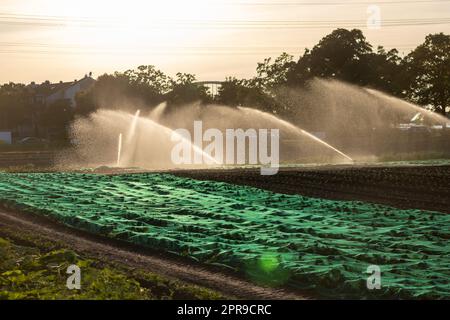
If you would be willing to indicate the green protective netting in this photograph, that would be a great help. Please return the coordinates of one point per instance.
(317, 245)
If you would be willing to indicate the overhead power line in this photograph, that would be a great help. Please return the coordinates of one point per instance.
(331, 3)
(48, 21)
(58, 49)
(165, 47)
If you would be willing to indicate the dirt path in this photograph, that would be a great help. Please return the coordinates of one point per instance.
(108, 250)
(409, 187)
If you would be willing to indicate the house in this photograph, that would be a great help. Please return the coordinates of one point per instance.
(43, 95)
(66, 91)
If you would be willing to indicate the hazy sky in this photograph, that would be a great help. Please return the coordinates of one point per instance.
(62, 40)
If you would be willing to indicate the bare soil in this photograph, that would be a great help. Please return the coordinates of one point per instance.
(409, 187)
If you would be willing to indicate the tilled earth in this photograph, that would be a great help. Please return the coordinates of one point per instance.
(409, 187)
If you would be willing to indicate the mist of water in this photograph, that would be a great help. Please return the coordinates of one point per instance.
(132, 131)
(119, 150)
(258, 114)
(157, 113)
(406, 108)
(150, 147)
(363, 122)
(332, 122)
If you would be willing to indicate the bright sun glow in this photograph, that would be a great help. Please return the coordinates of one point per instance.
(145, 10)
(120, 23)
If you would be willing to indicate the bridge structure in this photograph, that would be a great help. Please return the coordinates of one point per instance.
(213, 86)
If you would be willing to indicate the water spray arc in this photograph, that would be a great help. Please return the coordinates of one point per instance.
(366, 123)
(133, 127)
(145, 139)
(169, 132)
(119, 150)
(295, 129)
(158, 112)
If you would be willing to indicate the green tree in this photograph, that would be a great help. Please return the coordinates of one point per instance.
(57, 118)
(341, 54)
(145, 87)
(271, 75)
(15, 105)
(58, 114)
(151, 81)
(184, 90)
(85, 103)
(110, 91)
(234, 92)
(429, 68)
(386, 72)
(231, 92)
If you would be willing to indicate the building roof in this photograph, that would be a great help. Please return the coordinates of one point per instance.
(48, 89)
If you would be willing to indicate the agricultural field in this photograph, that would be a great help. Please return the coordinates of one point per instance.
(308, 244)
(404, 184)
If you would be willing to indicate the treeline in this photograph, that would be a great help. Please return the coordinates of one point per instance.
(142, 88)
(422, 76)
